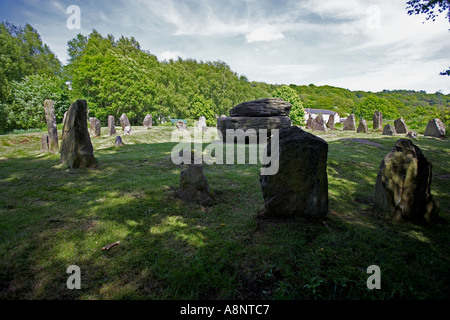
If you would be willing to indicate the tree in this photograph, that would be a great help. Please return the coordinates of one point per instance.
(288, 94)
(429, 8)
(372, 103)
(22, 53)
(26, 108)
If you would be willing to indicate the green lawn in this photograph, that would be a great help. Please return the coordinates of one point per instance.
(52, 217)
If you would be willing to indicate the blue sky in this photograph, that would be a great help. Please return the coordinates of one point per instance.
(366, 45)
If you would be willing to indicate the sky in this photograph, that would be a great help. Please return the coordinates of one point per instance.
(368, 45)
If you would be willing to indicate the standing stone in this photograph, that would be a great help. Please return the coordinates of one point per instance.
(255, 123)
(44, 143)
(389, 130)
(127, 130)
(194, 186)
(377, 120)
(118, 142)
(330, 123)
(124, 122)
(95, 127)
(49, 108)
(64, 121)
(362, 126)
(402, 189)
(202, 124)
(111, 126)
(76, 147)
(349, 124)
(319, 124)
(148, 122)
(435, 128)
(309, 122)
(181, 125)
(400, 126)
(300, 187)
(272, 107)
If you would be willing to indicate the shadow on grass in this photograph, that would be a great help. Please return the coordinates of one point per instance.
(52, 217)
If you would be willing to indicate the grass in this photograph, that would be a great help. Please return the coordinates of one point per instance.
(52, 217)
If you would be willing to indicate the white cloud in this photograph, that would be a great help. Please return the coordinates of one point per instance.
(264, 33)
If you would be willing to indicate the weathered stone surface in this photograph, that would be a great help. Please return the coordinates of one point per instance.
(411, 135)
(318, 123)
(435, 128)
(53, 146)
(362, 126)
(377, 120)
(44, 143)
(400, 125)
(124, 122)
(127, 130)
(309, 122)
(181, 125)
(202, 124)
(194, 186)
(64, 121)
(349, 123)
(330, 123)
(300, 187)
(255, 123)
(76, 147)
(111, 126)
(95, 127)
(191, 157)
(402, 189)
(272, 107)
(118, 142)
(389, 130)
(148, 122)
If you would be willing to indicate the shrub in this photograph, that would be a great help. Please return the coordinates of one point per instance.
(297, 113)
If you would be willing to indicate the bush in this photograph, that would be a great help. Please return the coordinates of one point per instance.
(372, 103)
(297, 113)
(26, 107)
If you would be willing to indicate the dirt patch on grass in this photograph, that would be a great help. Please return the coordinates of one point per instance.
(364, 141)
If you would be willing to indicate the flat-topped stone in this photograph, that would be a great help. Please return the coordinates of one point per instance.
(272, 107)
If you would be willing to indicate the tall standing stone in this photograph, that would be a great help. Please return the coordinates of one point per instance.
(202, 124)
(377, 120)
(124, 122)
(362, 126)
(309, 122)
(330, 123)
(49, 108)
(147, 123)
(111, 126)
(300, 187)
(44, 143)
(435, 128)
(64, 121)
(76, 147)
(349, 124)
(95, 127)
(402, 189)
(318, 123)
(400, 126)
